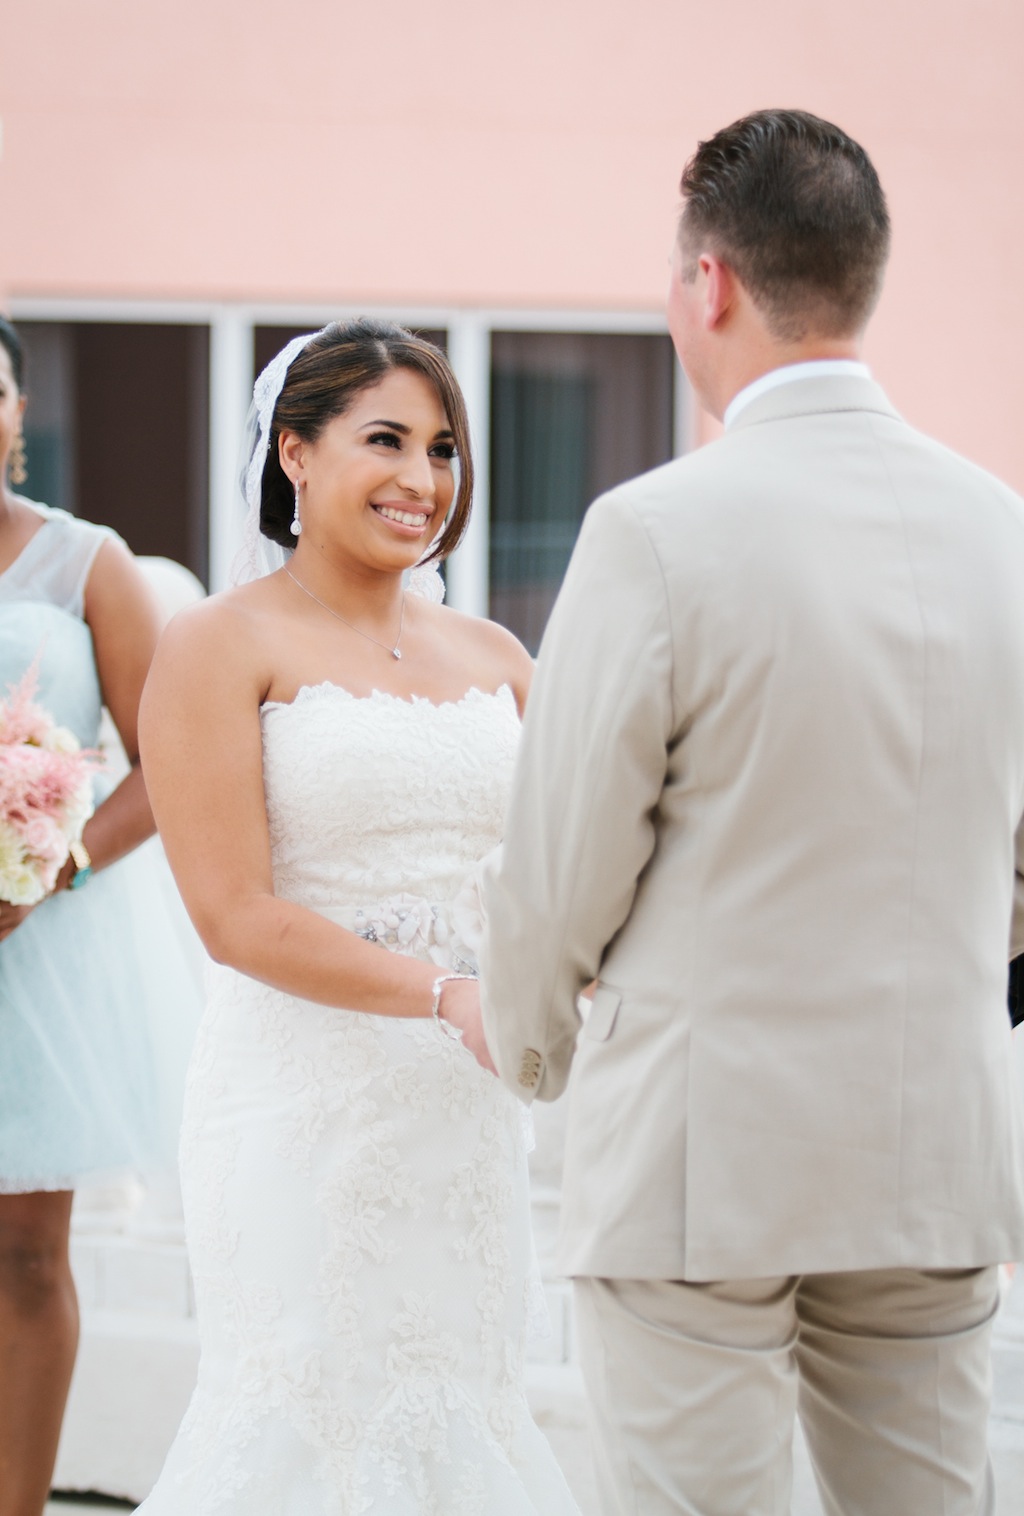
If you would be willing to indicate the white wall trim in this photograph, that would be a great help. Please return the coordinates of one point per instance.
(230, 393)
(272, 313)
(173, 312)
(469, 570)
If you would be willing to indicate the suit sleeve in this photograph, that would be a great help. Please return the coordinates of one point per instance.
(1017, 925)
(581, 822)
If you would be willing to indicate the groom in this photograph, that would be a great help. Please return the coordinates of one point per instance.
(771, 773)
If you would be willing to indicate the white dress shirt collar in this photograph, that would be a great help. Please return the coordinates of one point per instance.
(817, 368)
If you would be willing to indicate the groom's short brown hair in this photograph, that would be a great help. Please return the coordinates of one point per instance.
(795, 208)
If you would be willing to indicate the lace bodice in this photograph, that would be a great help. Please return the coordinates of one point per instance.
(371, 797)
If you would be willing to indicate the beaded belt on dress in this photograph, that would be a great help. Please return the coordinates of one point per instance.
(447, 934)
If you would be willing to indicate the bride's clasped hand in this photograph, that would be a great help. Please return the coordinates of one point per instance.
(329, 755)
(462, 1011)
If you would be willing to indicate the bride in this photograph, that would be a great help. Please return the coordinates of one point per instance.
(328, 755)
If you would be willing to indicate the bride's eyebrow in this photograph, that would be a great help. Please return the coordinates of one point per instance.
(400, 426)
(396, 426)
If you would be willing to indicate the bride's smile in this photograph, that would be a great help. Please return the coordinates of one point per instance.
(402, 517)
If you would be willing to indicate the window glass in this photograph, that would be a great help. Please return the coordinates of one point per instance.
(571, 416)
(49, 417)
(117, 429)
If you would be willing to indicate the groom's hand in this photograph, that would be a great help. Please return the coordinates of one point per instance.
(460, 1007)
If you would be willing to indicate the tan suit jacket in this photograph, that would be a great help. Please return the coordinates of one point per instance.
(771, 793)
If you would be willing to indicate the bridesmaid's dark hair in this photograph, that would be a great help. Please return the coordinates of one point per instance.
(323, 381)
(12, 342)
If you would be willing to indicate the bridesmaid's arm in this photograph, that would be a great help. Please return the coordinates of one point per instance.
(201, 746)
(123, 617)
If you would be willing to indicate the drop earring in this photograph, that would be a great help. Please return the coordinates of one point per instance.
(296, 527)
(16, 465)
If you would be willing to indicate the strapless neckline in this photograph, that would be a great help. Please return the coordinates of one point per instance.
(327, 687)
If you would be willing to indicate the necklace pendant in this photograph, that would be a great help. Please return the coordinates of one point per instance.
(395, 653)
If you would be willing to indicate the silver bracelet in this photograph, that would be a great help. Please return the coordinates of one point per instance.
(435, 1010)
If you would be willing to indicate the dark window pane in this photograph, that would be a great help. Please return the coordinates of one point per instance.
(117, 430)
(571, 416)
(141, 435)
(268, 340)
(49, 415)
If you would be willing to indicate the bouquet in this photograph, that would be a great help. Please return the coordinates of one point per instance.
(45, 794)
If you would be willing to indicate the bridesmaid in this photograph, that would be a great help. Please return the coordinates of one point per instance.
(78, 1091)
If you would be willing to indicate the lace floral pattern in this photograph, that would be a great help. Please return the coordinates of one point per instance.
(355, 1186)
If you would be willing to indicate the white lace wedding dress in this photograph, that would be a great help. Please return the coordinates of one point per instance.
(356, 1186)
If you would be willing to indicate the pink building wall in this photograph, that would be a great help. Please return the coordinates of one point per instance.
(528, 155)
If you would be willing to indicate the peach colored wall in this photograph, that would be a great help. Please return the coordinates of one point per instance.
(527, 154)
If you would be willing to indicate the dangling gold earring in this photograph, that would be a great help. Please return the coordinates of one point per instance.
(16, 461)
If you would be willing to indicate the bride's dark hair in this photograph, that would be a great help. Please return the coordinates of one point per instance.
(322, 382)
(12, 342)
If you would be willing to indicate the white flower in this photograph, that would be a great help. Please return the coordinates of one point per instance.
(467, 917)
(403, 921)
(426, 581)
(20, 883)
(77, 810)
(60, 740)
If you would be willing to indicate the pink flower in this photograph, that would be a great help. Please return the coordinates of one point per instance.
(45, 793)
(43, 839)
(21, 720)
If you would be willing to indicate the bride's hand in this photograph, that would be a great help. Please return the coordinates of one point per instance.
(460, 1007)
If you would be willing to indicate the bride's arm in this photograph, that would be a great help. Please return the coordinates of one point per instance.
(199, 729)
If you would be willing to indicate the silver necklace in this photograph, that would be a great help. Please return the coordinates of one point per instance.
(394, 651)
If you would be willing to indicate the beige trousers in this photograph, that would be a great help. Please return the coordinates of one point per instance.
(693, 1390)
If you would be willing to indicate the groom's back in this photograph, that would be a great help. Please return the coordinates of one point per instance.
(835, 832)
(847, 601)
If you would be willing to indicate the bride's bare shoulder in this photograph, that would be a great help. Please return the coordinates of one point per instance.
(497, 654)
(237, 612)
(224, 636)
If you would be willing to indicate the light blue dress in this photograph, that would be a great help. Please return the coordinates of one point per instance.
(86, 979)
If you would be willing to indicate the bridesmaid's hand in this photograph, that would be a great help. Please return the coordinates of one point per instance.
(460, 1007)
(11, 916)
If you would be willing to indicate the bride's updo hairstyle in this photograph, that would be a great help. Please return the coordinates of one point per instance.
(322, 382)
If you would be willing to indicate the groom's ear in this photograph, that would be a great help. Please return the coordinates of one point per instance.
(721, 288)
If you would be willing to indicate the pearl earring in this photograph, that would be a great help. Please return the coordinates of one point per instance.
(296, 523)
